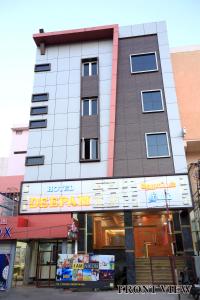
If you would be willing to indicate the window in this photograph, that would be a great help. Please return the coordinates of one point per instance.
(144, 62)
(40, 97)
(34, 160)
(20, 152)
(89, 67)
(38, 124)
(42, 67)
(152, 101)
(39, 110)
(89, 149)
(157, 145)
(89, 107)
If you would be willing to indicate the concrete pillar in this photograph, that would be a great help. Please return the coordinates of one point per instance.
(81, 236)
(11, 265)
(129, 248)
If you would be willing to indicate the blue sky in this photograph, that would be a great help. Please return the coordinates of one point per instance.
(19, 19)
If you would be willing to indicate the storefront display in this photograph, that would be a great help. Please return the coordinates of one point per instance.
(4, 270)
(76, 270)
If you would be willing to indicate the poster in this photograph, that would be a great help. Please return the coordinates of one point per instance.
(4, 269)
(85, 270)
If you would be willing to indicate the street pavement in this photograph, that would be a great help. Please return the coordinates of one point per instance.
(33, 293)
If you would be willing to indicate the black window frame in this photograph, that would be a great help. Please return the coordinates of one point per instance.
(82, 152)
(144, 54)
(37, 67)
(34, 121)
(19, 152)
(41, 162)
(46, 97)
(38, 107)
(152, 110)
(147, 146)
(90, 61)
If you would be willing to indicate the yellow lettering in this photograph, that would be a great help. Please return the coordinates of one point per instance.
(43, 202)
(53, 201)
(33, 202)
(72, 201)
(63, 200)
(84, 200)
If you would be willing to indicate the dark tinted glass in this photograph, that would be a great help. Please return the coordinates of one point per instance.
(87, 149)
(86, 69)
(157, 145)
(34, 160)
(38, 124)
(143, 62)
(94, 106)
(152, 101)
(94, 149)
(42, 67)
(40, 97)
(40, 110)
(94, 68)
(85, 107)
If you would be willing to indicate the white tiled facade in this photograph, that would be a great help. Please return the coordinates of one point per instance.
(60, 141)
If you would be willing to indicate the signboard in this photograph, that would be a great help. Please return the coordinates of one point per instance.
(4, 269)
(76, 270)
(105, 194)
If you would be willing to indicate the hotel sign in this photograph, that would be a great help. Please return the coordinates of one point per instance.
(105, 194)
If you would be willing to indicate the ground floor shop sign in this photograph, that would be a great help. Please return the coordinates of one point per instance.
(91, 271)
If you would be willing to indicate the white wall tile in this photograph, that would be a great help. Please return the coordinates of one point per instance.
(51, 106)
(40, 58)
(62, 91)
(75, 50)
(105, 46)
(51, 78)
(39, 79)
(175, 128)
(105, 117)
(104, 133)
(98, 169)
(73, 170)
(61, 106)
(54, 65)
(63, 51)
(47, 138)
(31, 173)
(38, 89)
(104, 151)
(63, 64)
(50, 122)
(58, 171)
(105, 73)
(178, 148)
(73, 154)
(51, 90)
(125, 31)
(59, 155)
(168, 80)
(89, 48)
(47, 152)
(33, 151)
(150, 28)
(34, 138)
(63, 77)
(180, 164)
(104, 102)
(73, 136)
(52, 52)
(74, 89)
(60, 137)
(75, 63)
(161, 26)
(105, 87)
(74, 105)
(172, 111)
(164, 51)
(60, 121)
(138, 29)
(166, 65)
(162, 38)
(170, 95)
(105, 59)
(73, 120)
(74, 76)
(44, 172)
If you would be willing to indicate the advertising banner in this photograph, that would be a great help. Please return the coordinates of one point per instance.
(105, 194)
(4, 269)
(77, 270)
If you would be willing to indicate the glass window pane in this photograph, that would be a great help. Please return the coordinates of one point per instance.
(38, 124)
(157, 145)
(152, 151)
(87, 149)
(86, 69)
(94, 68)
(152, 139)
(85, 107)
(42, 67)
(40, 97)
(94, 106)
(163, 150)
(39, 110)
(94, 154)
(143, 62)
(161, 139)
(152, 101)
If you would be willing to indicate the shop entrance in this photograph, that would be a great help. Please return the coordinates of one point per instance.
(19, 264)
(46, 263)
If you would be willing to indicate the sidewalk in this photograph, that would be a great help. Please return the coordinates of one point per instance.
(34, 293)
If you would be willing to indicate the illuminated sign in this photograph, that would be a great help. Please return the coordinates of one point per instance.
(105, 194)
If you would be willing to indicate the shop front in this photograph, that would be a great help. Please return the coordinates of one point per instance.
(135, 219)
(29, 247)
